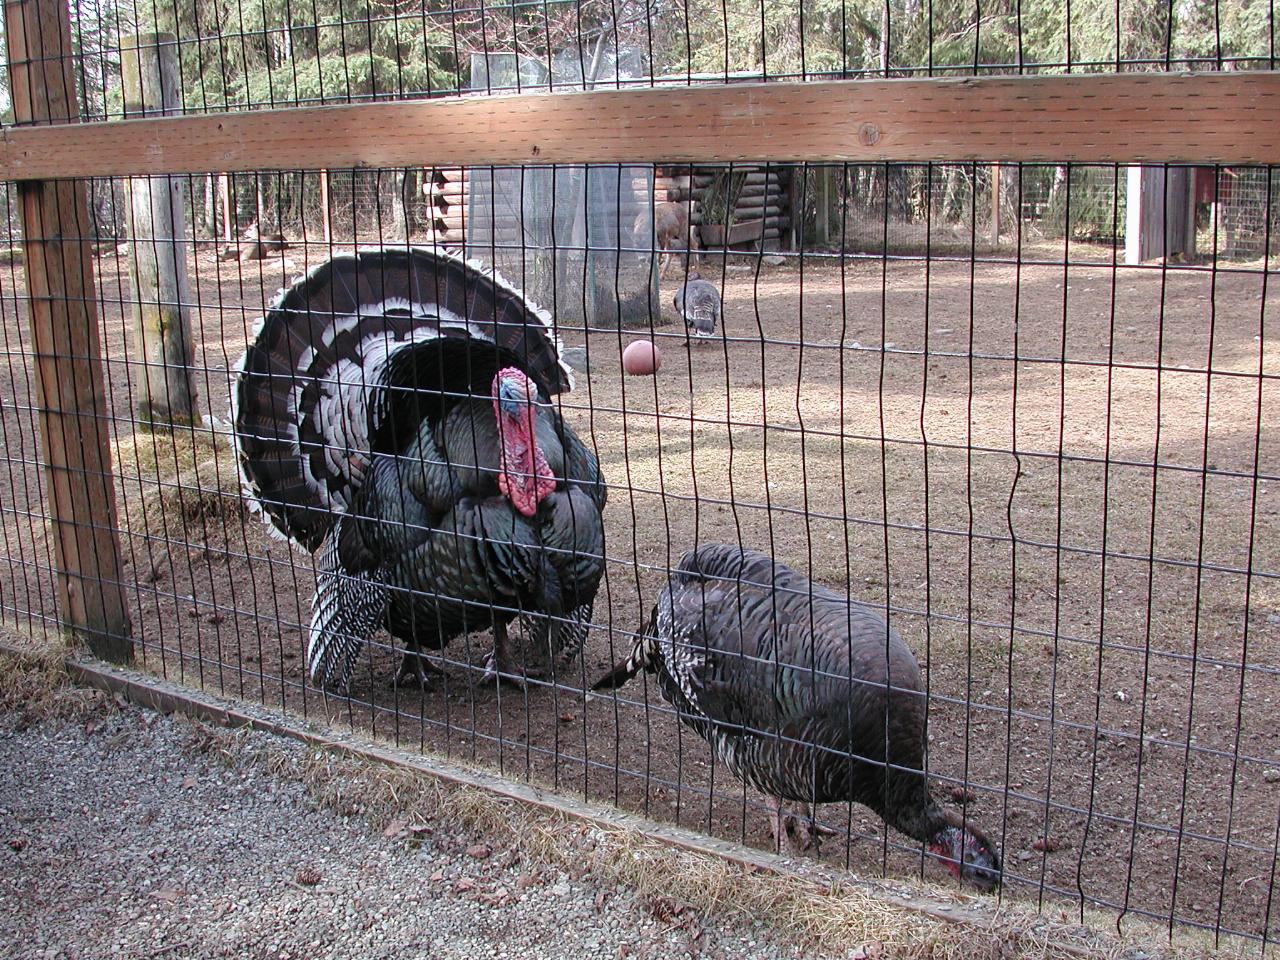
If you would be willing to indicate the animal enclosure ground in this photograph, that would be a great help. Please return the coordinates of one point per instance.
(1081, 616)
(202, 843)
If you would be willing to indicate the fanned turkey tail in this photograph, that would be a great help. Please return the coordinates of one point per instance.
(344, 355)
(345, 612)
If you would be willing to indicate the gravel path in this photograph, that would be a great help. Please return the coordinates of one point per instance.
(126, 834)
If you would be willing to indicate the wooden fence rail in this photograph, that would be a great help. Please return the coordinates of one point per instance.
(1124, 118)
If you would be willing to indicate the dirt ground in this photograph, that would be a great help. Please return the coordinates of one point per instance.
(1100, 634)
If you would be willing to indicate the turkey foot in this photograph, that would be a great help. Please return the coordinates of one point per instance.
(499, 668)
(415, 670)
(793, 834)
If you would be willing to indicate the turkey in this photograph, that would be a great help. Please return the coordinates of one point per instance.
(393, 415)
(800, 691)
(698, 301)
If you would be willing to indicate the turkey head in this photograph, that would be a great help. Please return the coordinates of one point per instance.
(524, 477)
(967, 854)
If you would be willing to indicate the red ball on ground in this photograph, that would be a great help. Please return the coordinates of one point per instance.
(641, 358)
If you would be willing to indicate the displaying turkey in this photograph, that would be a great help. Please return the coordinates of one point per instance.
(698, 301)
(802, 693)
(393, 414)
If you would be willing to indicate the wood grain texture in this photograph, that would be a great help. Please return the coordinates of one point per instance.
(70, 389)
(1198, 118)
(158, 249)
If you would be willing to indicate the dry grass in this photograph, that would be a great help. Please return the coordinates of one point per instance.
(180, 476)
(817, 911)
(34, 684)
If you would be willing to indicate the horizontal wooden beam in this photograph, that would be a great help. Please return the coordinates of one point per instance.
(1122, 118)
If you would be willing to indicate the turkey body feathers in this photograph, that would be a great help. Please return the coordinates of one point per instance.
(368, 427)
(453, 556)
(802, 693)
(787, 679)
(698, 301)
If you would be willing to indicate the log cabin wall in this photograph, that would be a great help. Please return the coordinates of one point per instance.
(447, 191)
(765, 195)
(763, 199)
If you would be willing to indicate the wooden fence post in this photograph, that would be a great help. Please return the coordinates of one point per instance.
(228, 214)
(995, 204)
(70, 393)
(158, 244)
(326, 214)
(822, 218)
(1160, 213)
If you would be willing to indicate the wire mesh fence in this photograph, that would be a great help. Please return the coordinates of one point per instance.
(1049, 471)
(1017, 412)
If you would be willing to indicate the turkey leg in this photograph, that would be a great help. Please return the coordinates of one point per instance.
(781, 822)
(794, 834)
(415, 669)
(499, 668)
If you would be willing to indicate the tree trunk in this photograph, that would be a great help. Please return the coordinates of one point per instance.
(158, 246)
(210, 208)
(392, 220)
(885, 26)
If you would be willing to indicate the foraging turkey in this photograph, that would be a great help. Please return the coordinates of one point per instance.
(393, 414)
(799, 691)
(698, 301)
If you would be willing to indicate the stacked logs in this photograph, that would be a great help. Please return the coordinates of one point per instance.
(450, 192)
(764, 194)
(447, 190)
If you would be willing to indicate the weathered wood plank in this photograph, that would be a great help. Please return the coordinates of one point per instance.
(70, 389)
(1199, 118)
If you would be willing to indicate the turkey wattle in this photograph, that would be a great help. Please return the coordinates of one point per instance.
(393, 413)
(802, 693)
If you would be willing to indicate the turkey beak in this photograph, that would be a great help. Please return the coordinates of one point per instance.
(986, 879)
(514, 397)
(982, 868)
(510, 399)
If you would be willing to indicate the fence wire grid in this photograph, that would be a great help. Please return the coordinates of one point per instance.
(1022, 412)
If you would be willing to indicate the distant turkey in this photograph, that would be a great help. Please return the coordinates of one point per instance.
(393, 414)
(789, 681)
(698, 301)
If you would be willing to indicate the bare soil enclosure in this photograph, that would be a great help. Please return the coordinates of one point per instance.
(1058, 480)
